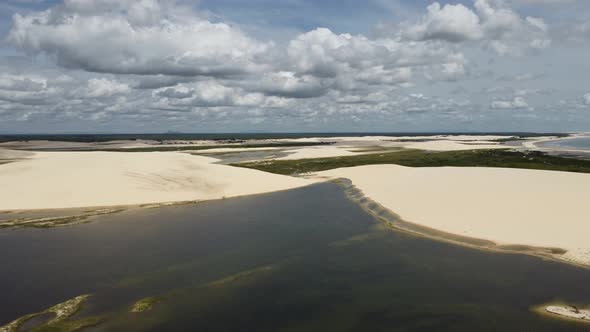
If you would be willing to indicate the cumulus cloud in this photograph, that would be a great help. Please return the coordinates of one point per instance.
(454, 23)
(205, 94)
(102, 87)
(20, 83)
(490, 22)
(143, 61)
(288, 84)
(515, 103)
(141, 37)
(324, 54)
(27, 89)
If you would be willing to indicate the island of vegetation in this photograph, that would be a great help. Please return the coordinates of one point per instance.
(57, 318)
(145, 304)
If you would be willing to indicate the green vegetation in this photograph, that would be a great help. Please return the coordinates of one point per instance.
(50, 222)
(145, 304)
(240, 276)
(69, 326)
(420, 158)
(59, 320)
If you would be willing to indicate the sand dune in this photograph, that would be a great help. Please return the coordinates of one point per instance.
(507, 206)
(450, 145)
(81, 179)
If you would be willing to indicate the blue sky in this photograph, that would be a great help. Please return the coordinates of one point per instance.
(294, 65)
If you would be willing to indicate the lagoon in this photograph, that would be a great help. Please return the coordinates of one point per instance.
(307, 259)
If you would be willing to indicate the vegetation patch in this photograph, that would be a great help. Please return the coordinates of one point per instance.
(145, 304)
(59, 321)
(244, 275)
(420, 158)
(50, 222)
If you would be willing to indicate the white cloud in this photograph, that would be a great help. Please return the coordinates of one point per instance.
(490, 22)
(516, 103)
(323, 53)
(288, 84)
(102, 87)
(587, 98)
(454, 23)
(142, 37)
(204, 94)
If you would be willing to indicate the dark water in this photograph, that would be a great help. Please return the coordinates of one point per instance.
(300, 260)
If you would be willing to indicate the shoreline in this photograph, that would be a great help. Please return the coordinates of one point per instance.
(549, 310)
(394, 222)
(87, 214)
(81, 215)
(517, 209)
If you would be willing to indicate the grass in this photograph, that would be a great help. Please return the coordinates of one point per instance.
(420, 158)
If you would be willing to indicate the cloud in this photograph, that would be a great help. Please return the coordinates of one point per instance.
(204, 94)
(490, 22)
(542, 2)
(144, 37)
(324, 54)
(21, 83)
(453, 23)
(102, 87)
(27, 89)
(288, 84)
(156, 63)
(516, 103)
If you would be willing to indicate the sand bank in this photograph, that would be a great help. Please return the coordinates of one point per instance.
(82, 179)
(506, 206)
(450, 145)
(569, 312)
(317, 152)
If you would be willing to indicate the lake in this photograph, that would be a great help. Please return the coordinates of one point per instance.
(579, 143)
(307, 259)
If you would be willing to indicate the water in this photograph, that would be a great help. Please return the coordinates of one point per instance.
(300, 260)
(581, 143)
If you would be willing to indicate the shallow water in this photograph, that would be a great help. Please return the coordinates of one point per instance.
(580, 143)
(300, 260)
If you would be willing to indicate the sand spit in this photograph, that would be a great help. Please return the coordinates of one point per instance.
(52, 180)
(569, 312)
(60, 312)
(512, 208)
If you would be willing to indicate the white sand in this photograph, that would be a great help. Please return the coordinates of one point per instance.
(226, 150)
(323, 151)
(569, 312)
(396, 138)
(448, 145)
(81, 179)
(14, 154)
(507, 206)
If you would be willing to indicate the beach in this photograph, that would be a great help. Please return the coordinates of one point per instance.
(507, 206)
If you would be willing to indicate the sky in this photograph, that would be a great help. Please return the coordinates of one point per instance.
(142, 66)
